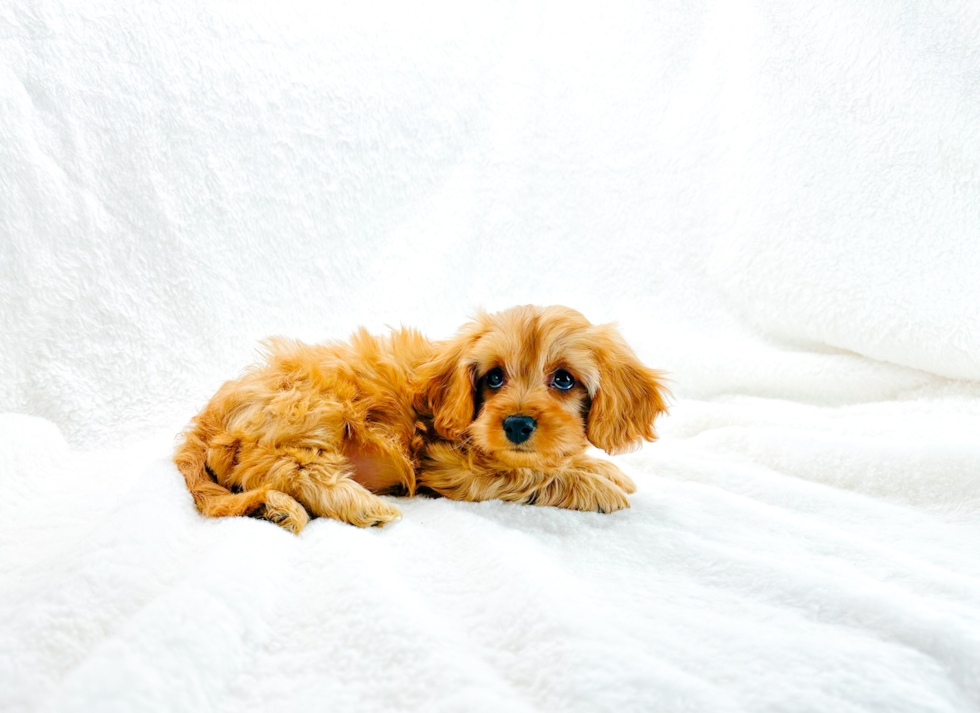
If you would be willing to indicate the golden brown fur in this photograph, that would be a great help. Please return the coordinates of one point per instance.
(322, 429)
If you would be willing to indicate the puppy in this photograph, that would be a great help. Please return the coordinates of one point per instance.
(504, 410)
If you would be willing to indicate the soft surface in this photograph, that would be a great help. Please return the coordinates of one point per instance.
(778, 203)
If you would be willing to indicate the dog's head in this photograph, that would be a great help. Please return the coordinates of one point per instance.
(530, 386)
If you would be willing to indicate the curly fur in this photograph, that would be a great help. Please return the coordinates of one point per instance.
(323, 429)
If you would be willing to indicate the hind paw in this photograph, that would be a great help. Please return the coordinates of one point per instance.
(377, 513)
(284, 511)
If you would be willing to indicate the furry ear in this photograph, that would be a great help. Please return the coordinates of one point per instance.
(628, 399)
(446, 386)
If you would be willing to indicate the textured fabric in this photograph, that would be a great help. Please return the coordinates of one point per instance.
(778, 202)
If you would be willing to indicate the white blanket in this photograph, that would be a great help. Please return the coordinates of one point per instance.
(778, 203)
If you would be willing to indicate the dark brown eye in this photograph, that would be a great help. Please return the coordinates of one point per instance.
(561, 379)
(495, 378)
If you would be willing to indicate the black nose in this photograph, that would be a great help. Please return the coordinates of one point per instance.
(519, 428)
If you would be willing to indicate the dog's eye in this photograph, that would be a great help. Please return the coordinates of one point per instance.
(561, 379)
(495, 378)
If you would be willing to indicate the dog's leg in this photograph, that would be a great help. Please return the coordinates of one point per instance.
(582, 484)
(321, 481)
(609, 471)
(586, 484)
(265, 502)
(344, 500)
(215, 500)
(284, 511)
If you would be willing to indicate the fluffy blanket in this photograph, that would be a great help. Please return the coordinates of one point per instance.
(778, 203)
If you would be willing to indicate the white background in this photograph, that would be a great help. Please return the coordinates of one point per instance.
(780, 205)
(181, 180)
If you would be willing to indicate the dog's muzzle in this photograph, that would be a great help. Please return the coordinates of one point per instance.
(519, 428)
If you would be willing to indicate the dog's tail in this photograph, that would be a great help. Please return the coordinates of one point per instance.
(211, 498)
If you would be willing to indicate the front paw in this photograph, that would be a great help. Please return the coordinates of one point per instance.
(588, 484)
(611, 472)
(595, 495)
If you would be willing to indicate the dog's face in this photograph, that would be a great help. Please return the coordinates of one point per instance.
(530, 386)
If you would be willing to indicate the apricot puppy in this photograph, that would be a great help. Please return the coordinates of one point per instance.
(504, 410)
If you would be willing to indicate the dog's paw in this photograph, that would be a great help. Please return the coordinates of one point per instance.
(593, 494)
(284, 511)
(376, 514)
(621, 480)
(609, 471)
(604, 499)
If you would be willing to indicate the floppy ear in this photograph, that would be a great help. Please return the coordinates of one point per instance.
(628, 399)
(446, 386)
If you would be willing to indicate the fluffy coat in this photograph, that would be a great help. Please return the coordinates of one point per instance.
(322, 430)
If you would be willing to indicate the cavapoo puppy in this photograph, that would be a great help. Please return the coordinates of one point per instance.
(504, 410)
